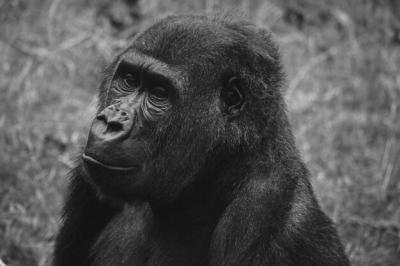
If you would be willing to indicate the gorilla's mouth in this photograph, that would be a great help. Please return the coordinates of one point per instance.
(91, 160)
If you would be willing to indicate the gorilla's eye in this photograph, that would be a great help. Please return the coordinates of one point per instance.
(159, 92)
(232, 94)
(130, 81)
(126, 83)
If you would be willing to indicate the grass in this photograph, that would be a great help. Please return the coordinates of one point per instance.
(343, 93)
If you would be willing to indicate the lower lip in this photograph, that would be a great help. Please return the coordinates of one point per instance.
(90, 159)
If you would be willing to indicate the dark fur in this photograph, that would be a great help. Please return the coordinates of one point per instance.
(223, 190)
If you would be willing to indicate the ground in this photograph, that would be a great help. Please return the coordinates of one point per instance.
(343, 93)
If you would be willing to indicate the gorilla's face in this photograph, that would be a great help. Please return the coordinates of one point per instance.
(164, 107)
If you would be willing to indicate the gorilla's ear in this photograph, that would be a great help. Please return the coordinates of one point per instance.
(232, 96)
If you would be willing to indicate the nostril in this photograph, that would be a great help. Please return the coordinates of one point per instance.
(102, 117)
(114, 126)
(123, 113)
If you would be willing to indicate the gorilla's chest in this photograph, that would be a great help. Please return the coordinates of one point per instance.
(133, 238)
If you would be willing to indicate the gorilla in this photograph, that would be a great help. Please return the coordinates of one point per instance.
(190, 159)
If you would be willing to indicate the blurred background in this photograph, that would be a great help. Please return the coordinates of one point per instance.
(343, 92)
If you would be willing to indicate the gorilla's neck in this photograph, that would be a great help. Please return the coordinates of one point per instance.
(203, 203)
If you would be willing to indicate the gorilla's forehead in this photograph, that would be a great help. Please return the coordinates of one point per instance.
(190, 40)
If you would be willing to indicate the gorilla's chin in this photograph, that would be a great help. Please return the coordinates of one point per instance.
(114, 181)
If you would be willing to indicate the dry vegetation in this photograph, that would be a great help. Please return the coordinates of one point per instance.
(343, 93)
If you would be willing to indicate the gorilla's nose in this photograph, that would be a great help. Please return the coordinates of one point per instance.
(113, 123)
